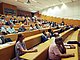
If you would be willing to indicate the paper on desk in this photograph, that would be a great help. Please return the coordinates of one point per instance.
(4, 45)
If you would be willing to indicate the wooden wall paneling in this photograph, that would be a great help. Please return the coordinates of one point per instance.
(25, 13)
(59, 20)
(9, 6)
(1, 8)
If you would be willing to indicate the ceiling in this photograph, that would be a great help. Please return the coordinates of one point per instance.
(35, 5)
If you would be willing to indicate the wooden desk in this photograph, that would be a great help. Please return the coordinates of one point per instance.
(34, 32)
(65, 34)
(32, 41)
(73, 37)
(39, 55)
(12, 36)
(30, 33)
(42, 51)
(7, 52)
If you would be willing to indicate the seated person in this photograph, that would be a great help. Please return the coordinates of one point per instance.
(7, 23)
(62, 23)
(31, 27)
(11, 29)
(66, 27)
(2, 29)
(2, 40)
(14, 21)
(57, 26)
(3, 19)
(11, 21)
(50, 33)
(44, 36)
(61, 30)
(20, 47)
(25, 22)
(22, 28)
(36, 27)
(76, 28)
(57, 50)
(71, 26)
(40, 27)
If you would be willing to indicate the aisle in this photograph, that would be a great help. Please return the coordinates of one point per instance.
(73, 37)
(68, 38)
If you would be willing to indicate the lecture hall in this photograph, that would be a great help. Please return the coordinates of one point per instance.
(39, 29)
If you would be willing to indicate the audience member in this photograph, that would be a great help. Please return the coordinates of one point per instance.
(22, 28)
(62, 23)
(40, 26)
(36, 27)
(50, 33)
(31, 27)
(11, 21)
(11, 29)
(20, 47)
(7, 23)
(57, 50)
(3, 19)
(2, 29)
(44, 36)
(25, 22)
(15, 21)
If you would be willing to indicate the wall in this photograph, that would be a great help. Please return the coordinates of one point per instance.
(68, 10)
(37, 14)
(25, 13)
(59, 20)
(1, 8)
(5, 5)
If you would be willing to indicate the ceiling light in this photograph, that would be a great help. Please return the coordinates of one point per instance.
(34, 0)
(15, 0)
(28, 1)
(33, 11)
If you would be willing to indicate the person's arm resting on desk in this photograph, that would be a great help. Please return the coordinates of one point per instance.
(27, 51)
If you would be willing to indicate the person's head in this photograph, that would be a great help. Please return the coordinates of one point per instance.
(0, 24)
(44, 32)
(11, 25)
(49, 30)
(2, 17)
(20, 37)
(58, 41)
(39, 24)
(22, 26)
(31, 26)
(10, 18)
(14, 18)
(36, 25)
(56, 34)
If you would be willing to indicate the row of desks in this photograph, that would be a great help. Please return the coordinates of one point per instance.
(73, 37)
(26, 33)
(10, 48)
(42, 53)
(38, 55)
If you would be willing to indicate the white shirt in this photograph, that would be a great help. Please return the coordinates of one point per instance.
(53, 51)
(11, 30)
(3, 29)
(31, 28)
